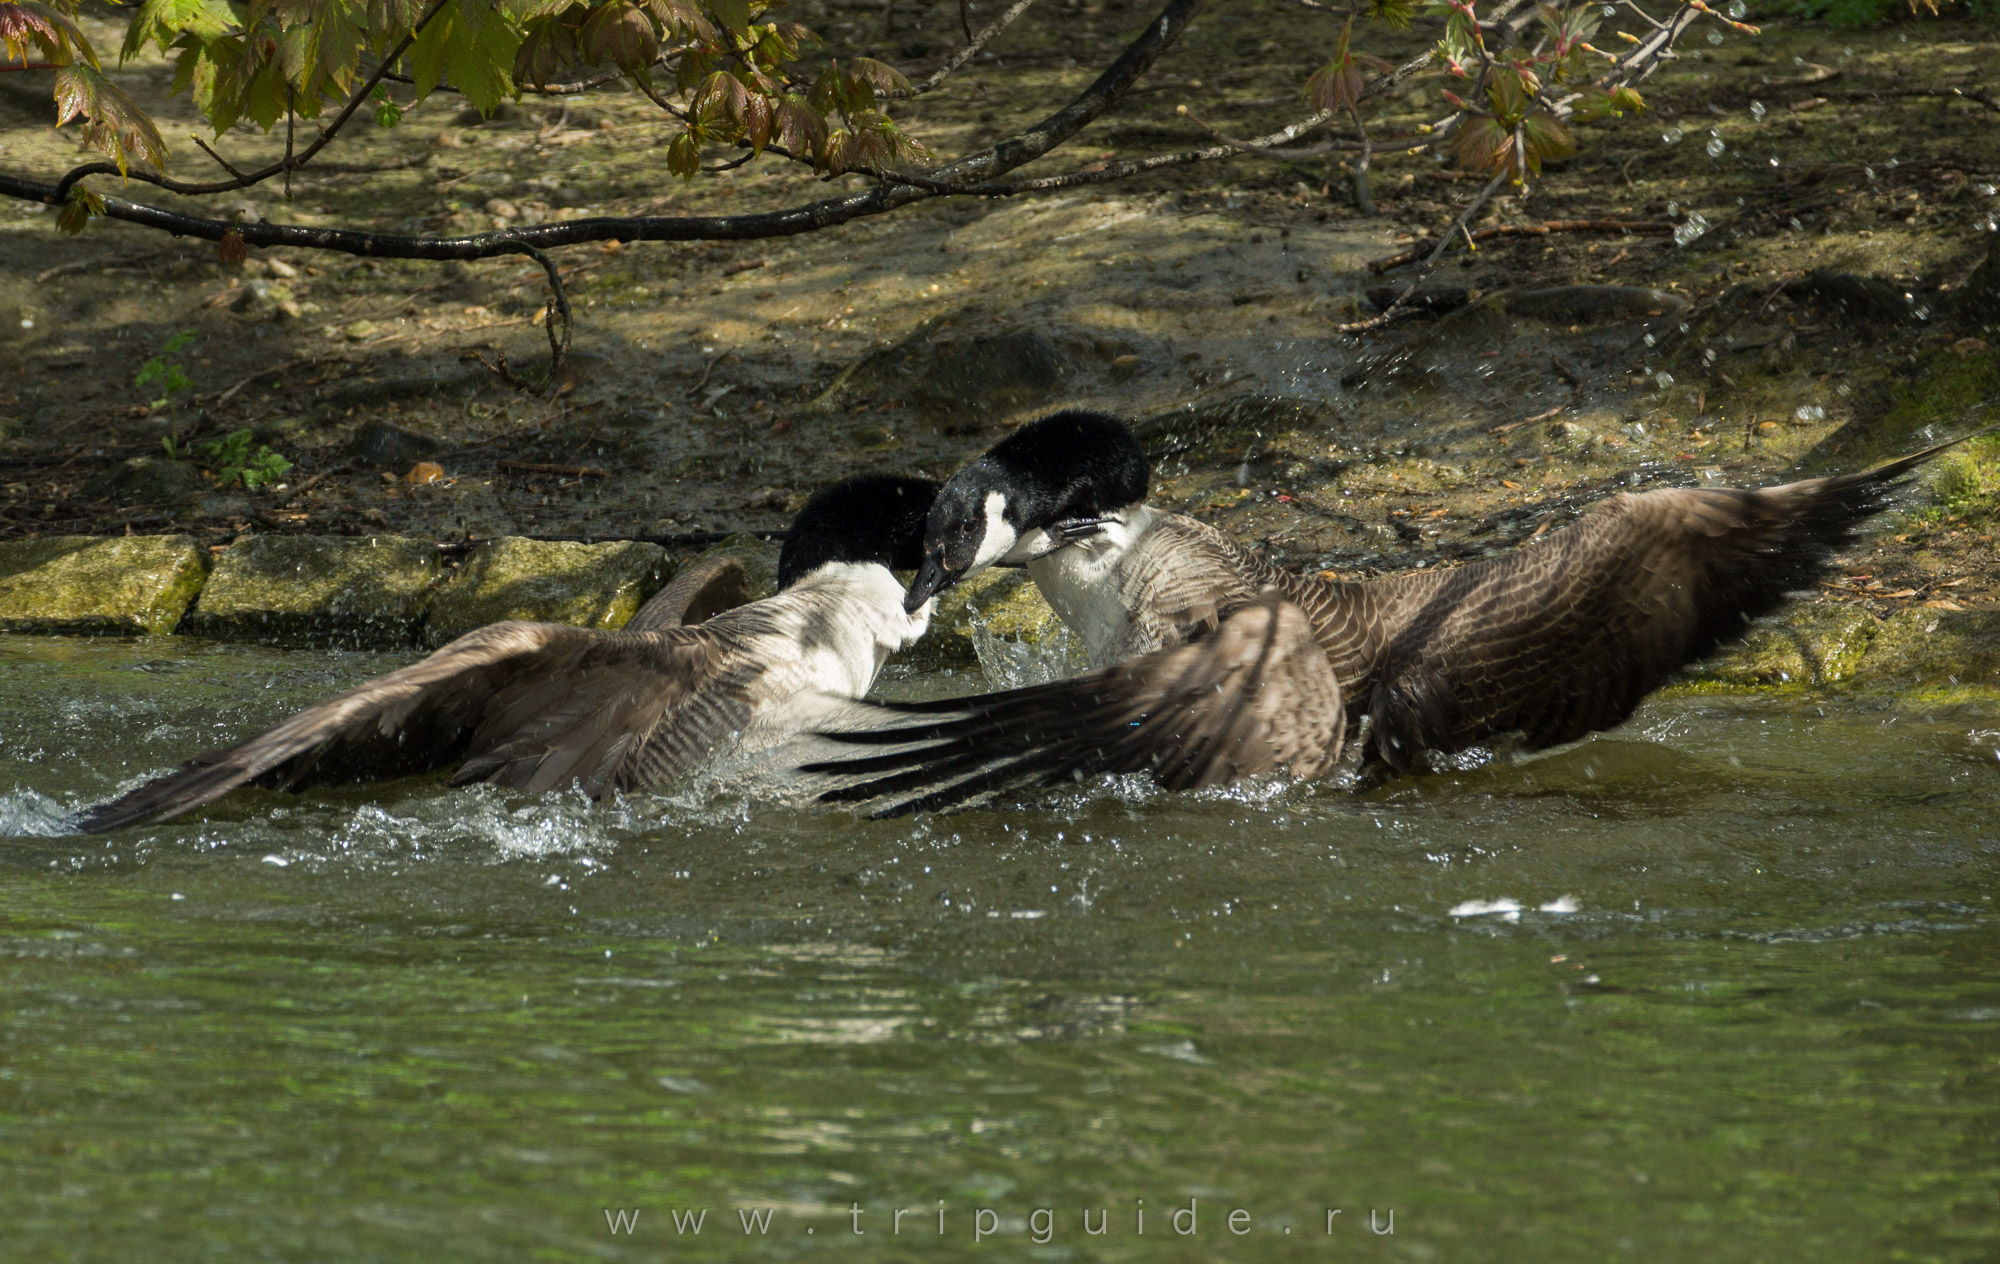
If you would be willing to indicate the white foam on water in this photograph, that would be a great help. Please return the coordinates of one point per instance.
(32, 814)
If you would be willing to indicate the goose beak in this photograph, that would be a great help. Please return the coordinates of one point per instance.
(933, 577)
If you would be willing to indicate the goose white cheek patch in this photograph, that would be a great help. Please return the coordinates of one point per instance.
(999, 538)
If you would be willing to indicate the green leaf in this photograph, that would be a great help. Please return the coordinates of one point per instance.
(1482, 143)
(76, 213)
(684, 156)
(26, 26)
(1544, 139)
(114, 123)
(165, 21)
(621, 34)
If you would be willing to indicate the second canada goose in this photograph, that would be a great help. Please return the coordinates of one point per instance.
(542, 706)
(1212, 664)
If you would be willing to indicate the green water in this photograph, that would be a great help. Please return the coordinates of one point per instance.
(460, 1026)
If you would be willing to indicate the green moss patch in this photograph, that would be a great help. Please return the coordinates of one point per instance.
(92, 586)
(353, 591)
(588, 585)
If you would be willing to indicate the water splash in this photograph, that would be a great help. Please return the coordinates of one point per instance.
(1014, 664)
(32, 814)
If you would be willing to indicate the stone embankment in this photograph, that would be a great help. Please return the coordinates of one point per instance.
(390, 592)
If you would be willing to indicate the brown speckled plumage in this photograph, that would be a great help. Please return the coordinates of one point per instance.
(1562, 637)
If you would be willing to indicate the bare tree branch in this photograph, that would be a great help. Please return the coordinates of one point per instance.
(1024, 147)
(1395, 309)
(973, 46)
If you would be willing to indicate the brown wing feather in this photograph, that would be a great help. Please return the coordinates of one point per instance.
(695, 595)
(1255, 696)
(1566, 636)
(527, 704)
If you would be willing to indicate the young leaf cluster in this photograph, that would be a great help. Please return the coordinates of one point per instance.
(727, 71)
(1520, 80)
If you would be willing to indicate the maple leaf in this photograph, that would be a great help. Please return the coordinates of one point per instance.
(114, 123)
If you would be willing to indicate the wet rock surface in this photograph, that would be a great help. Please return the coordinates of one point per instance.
(1928, 647)
(81, 585)
(962, 380)
(551, 581)
(976, 620)
(146, 480)
(1821, 643)
(380, 443)
(365, 592)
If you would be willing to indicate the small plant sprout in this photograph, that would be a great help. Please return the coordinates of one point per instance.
(164, 372)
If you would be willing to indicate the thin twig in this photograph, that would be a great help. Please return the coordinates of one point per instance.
(1648, 228)
(973, 46)
(1394, 310)
(219, 158)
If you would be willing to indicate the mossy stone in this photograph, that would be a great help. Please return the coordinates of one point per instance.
(552, 581)
(91, 586)
(1935, 647)
(993, 609)
(1821, 643)
(354, 591)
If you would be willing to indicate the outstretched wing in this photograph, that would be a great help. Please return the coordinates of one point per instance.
(530, 705)
(695, 595)
(1567, 635)
(1255, 695)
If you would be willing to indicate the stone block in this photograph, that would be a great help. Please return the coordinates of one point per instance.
(359, 591)
(93, 586)
(1922, 646)
(552, 581)
(1821, 643)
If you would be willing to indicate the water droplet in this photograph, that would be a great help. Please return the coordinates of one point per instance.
(1774, 160)
(1737, 9)
(1708, 355)
(1809, 412)
(1797, 227)
(1715, 147)
(1663, 380)
(1673, 209)
(27, 322)
(1650, 340)
(1757, 110)
(1893, 164)
(1715, 37)
(1610, 11)
(1869, 172)
(1987, 190)
(1690, 229)
(1672, 136)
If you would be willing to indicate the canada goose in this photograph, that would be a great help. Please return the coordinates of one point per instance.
(1211, 664)
(540, 706)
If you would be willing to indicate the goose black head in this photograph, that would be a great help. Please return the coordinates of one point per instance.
(868, 518)
(1059, 475)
